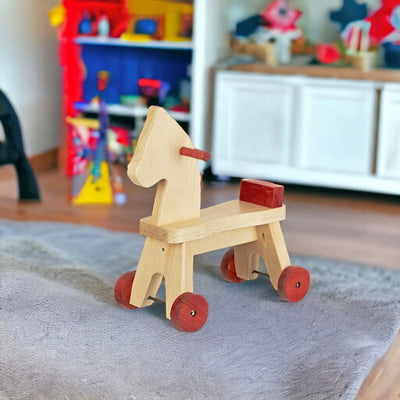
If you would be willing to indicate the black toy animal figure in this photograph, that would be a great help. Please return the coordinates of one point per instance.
(12, 151)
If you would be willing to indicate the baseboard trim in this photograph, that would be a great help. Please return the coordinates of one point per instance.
(45, 161)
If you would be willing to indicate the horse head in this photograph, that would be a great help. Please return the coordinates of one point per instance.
(165, 154)
(160, 148)
(157, 150)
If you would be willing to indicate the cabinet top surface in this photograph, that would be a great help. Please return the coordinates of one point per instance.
(380, 74)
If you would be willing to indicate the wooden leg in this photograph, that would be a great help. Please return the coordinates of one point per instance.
(246, 260)
(178, 273)
(272, 248)
(149, 273)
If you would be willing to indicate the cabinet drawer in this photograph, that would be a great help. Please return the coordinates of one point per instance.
(337, 127)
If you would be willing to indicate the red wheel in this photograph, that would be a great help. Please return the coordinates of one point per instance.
(189, 312)
(228, 267)
(293, 284)
(123, 288)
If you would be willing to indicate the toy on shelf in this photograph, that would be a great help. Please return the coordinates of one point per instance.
(328, 53)
(153, 90)
(12, 151)
(355, 33)
(57, 15)
(182, 104)
(278, 15)
(363, 33)
(159, 20)
(96, 147)
(274, 30)
(385, 30)
(85, 25)
(383, 22)
(85, 132)
(357, 42)
(94, 24)
(96, 17)
(178, 229)
(103, 26)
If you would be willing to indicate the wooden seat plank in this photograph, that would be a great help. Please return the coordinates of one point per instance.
(228, 216)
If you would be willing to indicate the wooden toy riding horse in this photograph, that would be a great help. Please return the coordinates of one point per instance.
(177, 229)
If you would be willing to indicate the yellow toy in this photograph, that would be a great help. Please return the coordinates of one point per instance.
(177, 229)
(170, 18)
(57, 15)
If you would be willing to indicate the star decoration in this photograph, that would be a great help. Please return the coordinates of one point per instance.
(278, 15)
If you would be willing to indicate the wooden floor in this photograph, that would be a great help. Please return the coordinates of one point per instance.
(335, 224)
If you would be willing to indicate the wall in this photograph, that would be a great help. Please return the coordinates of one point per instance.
(29, 71)
(314, 21)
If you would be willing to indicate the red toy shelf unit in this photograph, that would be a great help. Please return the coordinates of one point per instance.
(129, 54)
(73, 69)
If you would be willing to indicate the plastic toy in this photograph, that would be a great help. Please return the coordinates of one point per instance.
(328, 53)
(356, 36)
(103, 26)
(248, 26)
(385, 31)
(85, 188)
(273, 30)
(57, 15)
(146, 26)
(159, 20)
(356, 39)
(382, 21)
(178, 229)
(352, 19)
(12, 151)
(153, 90)
(278, 15)
(96, 146)
(85, 25)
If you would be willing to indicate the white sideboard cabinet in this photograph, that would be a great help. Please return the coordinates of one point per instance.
(328, 132)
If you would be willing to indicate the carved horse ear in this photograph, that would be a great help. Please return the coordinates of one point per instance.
(195, 153)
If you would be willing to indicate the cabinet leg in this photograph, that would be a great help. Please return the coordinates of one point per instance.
(272, 248)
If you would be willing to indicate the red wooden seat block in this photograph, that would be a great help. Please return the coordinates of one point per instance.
(263, 193)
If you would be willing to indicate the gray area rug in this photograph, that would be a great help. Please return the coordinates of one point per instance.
(63, 337)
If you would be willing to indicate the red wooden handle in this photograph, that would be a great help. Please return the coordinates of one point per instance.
(195, 153)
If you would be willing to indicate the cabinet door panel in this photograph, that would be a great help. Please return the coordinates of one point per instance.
(336, 132)
(252, 119)
(388, 163)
